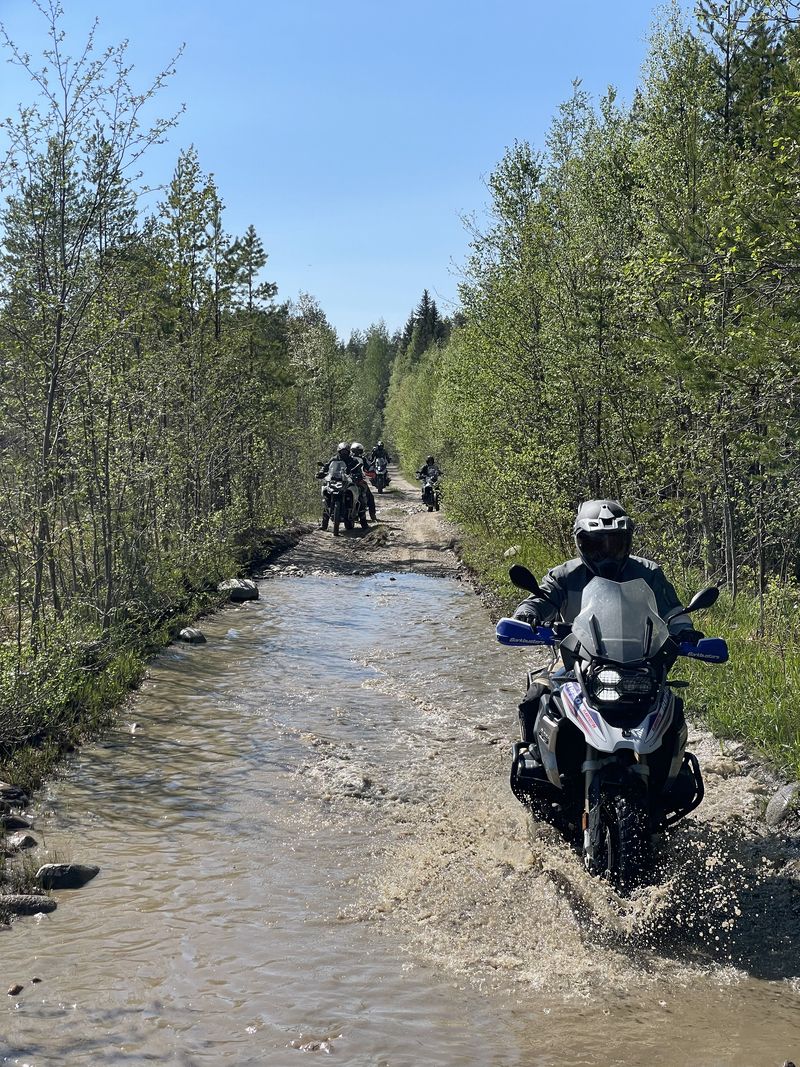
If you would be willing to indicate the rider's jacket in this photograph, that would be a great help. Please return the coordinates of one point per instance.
(431, 471)
(563, 587)
(380, 453)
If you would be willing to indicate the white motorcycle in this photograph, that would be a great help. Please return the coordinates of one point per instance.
(603, 755)
(342, 500)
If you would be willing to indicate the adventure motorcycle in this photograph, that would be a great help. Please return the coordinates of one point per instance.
(430, 491)
(382, 478)
(605, 756)
(342, 500)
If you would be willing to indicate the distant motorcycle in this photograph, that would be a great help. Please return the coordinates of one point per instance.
(382, 478)
(431, 491)
(605, 759)
(342, 500)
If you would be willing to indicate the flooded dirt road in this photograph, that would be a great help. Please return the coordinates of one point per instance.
(308, 847)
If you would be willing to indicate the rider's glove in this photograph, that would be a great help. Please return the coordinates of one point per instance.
(690, 636)
(528, 616)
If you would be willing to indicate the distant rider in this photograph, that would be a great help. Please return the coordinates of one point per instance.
(357, 451)
(429, 469)
(379, 452)
(343, 453)
(603, 536)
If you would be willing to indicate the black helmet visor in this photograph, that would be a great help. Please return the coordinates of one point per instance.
(598, 545)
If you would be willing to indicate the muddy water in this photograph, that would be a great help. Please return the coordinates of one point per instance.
(308, 846)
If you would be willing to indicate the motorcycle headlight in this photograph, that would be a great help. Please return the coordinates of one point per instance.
(607, 685)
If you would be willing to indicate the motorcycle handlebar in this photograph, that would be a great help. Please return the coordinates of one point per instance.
(517, 632)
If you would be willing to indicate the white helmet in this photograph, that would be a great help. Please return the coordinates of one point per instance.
(357, 449)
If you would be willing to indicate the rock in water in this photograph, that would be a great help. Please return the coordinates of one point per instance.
(66, 875)
(192, 635)
(26, 904)
(17, 842)
(239, 589)
(784, 801)
(15, 990)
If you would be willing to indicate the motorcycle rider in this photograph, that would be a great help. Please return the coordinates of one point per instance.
(603, 534)
(357, 450)
(379, 452)
(343, 453)
(428, 469)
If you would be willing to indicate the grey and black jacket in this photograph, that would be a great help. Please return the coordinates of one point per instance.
(563, 588)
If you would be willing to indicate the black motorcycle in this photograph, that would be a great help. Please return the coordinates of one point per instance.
(382, 478)
(430, 491)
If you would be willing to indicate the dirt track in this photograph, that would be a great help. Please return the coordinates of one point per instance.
(406, 537)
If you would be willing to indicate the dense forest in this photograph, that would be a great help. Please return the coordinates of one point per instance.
(631, 314)
(628, 326)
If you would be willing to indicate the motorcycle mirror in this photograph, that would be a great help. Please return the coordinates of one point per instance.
(704, 599)
(523, 579)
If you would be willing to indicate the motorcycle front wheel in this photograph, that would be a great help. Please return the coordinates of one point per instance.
(625, 849)
(337, 517)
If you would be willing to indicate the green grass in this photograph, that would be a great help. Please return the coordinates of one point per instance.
(755, 697)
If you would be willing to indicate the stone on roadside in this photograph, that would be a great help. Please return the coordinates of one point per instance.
(192, 636)
(26, 904)
(66, 875)
(239, 589)
(15, 822)
(19, 841)
(12, 794)
(723, 766)
(512, 551)
(783, 803)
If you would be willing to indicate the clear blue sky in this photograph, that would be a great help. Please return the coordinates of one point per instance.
(355, 134)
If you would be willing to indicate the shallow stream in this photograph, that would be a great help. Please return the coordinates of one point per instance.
(308, 846)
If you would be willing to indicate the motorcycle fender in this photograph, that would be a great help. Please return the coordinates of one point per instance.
(643, 739)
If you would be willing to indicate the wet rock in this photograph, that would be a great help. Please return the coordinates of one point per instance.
(239, 589)
(66, 875)
(26, 903)
(324, 1045)
(12, 794)
(15, 822)
(792, 872)
(192, 636)
(783, 803)
(15, 990)
(723, 766)
(35, 980)
(512, 551)
(19, 841)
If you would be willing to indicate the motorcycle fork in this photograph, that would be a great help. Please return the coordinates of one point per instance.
(593, 763)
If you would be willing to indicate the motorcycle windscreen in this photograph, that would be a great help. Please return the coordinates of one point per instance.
(337, 470)
(619, 621)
